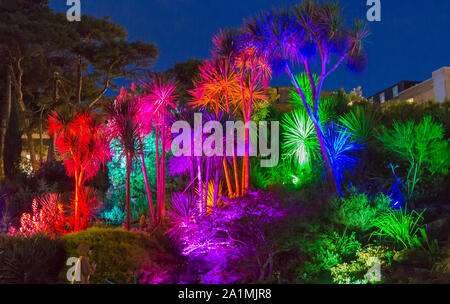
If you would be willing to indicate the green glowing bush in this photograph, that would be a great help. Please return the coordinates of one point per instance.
(299, 138)
(117, 174)
(400, 227)
(362, 121)
(119, 254)
(30, 260)
(356, 211)
(331, 249)
(421, 146)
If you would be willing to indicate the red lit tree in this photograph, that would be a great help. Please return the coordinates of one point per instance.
(84, 147)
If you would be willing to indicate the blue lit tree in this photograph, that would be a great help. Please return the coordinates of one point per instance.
(308, 32)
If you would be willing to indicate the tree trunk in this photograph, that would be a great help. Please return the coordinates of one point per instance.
(128, 219)
(6, 114)
(80, 79)
(200, 184)
(216, 187)
(205, 202)
(147, 185)
(227, 177)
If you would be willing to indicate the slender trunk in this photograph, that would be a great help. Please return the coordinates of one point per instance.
(128, 219)
(200, 184)
(216, 187)
(6, 114)
(77, 199)
(147, 185)
(205, 201)
(158, 178)
(236, 176)
(320, 136)
(80, 79)
(51, 147)
(41, 141)
(163, 174)
(227, 178)
(323, 149)
(25, 115)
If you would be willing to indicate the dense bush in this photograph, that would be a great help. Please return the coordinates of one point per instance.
(30, 260)
(357, 210)
(121, 256)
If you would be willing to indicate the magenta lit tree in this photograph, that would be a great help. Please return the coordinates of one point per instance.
(158, 102)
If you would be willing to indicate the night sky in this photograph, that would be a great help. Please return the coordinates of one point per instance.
(411, 41)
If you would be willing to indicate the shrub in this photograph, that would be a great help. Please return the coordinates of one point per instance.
(334, 248)
(421, 146)
(35, 259)
(356, 211)
(400, 227)
(119, 254)
(355, 271)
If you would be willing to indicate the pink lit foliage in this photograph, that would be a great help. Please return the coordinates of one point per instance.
(47, 217)
(158, 104)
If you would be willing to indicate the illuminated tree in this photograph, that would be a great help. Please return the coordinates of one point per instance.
(311, 30)
(253, 73)
(158, 102)
(81, 140)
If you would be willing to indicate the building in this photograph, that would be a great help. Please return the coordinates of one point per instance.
(436, 88)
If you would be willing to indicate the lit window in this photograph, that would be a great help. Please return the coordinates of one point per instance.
(395, 91)
(382, 98)
(410, 100)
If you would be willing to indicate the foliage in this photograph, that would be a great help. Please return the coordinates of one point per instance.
(400, 227)
(354, 272)
(119, 254)
(334, 248)
(422, 146)
(300, 140)
(117, 174)
(49, 219)
(356, 211)
(35, 259)
(183, 211)
(340, 144)
(234, 243)
(361, 121)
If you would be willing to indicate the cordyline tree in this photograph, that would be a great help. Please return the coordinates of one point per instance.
(81, 141)
(124, 126)
(158, 102)
(308, 32)
(235, 80)
(215, 89)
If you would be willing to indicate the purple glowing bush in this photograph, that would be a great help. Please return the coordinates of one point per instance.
(217, 244)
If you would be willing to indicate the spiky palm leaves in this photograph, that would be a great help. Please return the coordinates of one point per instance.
(159, 103)
(82, 142)
(340, 144)
(300, 140)
(182, 212)
(124, 126)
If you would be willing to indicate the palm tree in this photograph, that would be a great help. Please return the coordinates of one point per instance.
(124, 127)
(157, 106)
(82, 142)
(311, 30)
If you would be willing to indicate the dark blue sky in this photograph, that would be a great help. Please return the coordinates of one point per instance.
(411, 41)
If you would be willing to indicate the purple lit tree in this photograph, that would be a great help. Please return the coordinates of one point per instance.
(310, 31)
